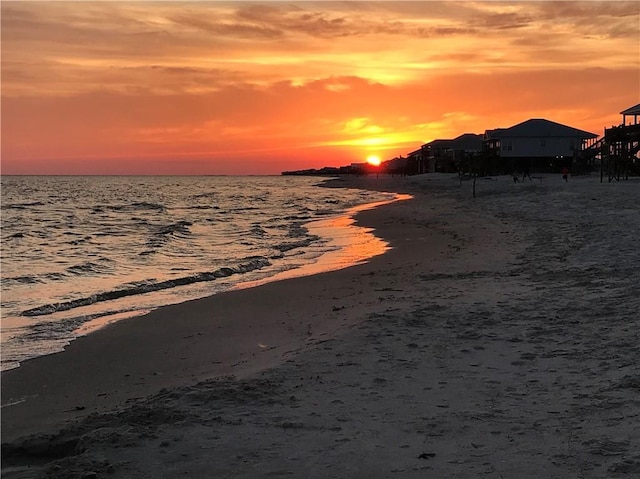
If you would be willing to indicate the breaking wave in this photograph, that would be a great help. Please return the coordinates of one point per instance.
(249, 264)
(293, 245)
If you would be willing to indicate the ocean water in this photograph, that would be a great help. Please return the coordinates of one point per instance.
(81, 252)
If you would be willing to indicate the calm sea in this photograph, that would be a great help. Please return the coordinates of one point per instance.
(80, 252)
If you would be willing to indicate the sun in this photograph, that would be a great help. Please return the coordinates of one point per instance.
(373, 160)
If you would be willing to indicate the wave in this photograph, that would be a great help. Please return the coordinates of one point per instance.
(282, 247)
(299, 231)
(75, 270)
(31, 279)
(17, 235)
(78, 241)
(22, 206)
(296, 218)
(85, 268)
(54, 276)
(163, 234)
(142, 205)
(179, 227)
(208, 194)
(257, 230)
(247, 265)
(201, 207)
(21, 280)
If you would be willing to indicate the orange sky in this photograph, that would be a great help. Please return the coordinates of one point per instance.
(260, 87)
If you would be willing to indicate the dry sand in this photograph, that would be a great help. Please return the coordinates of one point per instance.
(498, 338)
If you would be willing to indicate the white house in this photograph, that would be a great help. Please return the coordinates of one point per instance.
(536, 143)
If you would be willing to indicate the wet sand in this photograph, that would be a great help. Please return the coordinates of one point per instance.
(498, 338)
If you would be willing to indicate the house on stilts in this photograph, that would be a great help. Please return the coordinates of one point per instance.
(533, 145)
(618, 151)
(446, 155)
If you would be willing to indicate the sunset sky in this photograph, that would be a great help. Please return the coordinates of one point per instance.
(242, 87)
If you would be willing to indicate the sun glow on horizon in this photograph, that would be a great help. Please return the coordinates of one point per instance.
(262, 87)
(374, 160)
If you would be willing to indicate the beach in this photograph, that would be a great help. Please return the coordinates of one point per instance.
(498, 337)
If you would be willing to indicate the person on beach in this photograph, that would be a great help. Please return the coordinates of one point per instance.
(565, 174)
(516, 179)
(525, 173)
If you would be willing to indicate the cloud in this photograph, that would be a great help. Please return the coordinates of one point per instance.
(116, 78)
(288, 115)
(603, 19)
(587, 9)
(215, 25)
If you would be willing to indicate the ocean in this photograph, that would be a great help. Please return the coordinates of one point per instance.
(82, 252)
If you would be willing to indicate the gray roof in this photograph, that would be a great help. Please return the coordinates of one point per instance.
(467, 142)
(634, 110)
(397, 162)
(495, 133)
(438, 142)
(539, 128)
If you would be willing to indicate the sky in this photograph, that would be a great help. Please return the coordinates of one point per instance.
(242, 87)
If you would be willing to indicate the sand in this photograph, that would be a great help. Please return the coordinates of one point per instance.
(498, 338)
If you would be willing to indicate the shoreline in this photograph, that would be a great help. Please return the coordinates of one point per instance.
(326, 262)
(497, 337)
(42, 384)
(346, 255)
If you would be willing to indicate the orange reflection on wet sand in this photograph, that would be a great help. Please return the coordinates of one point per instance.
(353, 244)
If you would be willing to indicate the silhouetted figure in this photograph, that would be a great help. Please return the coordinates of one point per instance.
(515, 177)
(525, 173)
(565, 174)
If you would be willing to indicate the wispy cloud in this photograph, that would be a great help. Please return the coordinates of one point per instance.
(152, 77)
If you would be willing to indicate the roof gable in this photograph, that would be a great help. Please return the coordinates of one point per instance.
(437, 143)
(467, 141)
(538, 128)
(634, 110)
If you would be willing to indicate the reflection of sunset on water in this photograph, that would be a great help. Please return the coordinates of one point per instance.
(353, 244)
(356, 243)
(119, 246)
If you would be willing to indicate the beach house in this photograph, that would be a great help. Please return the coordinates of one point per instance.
(400, 166)
(417, 163)
(620, 149)
(536, 144)
(444, 155)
